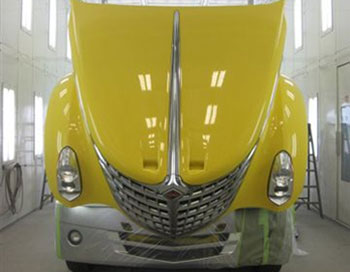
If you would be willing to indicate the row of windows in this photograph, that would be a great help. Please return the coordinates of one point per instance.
(326, 20)
(9, 122)
(326, 26)
(27, 17)
(8, 94)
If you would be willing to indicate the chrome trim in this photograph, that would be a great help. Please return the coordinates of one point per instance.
(192, 208)
(174, 106)
(271, 103)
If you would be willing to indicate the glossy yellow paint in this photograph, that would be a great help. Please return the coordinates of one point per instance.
(230, 57)
(65, 127)
(118, 97)
(285, 129)
(123, 76)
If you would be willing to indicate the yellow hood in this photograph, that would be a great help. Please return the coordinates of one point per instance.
(230, 59)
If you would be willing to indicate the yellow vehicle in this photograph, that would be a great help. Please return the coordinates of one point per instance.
(174, 129)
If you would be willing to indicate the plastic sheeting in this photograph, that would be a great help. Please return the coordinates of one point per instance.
(248, 237)
(267, 237)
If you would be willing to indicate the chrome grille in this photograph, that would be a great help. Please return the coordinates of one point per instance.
(192, 208)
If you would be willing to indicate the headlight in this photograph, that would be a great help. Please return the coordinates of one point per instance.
(68, 174)
(281, 179)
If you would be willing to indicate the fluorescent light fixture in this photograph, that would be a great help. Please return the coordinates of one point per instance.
(151, 122)
(9, 125)
(142, 83)
(214, 79)
(210, 116)
(39, 125)
(312, 118)
(68, 45)
(221, 79)
(148, 82)
(213, 116)
(52, 23)
(298, 24)
(327, 15)
(217, 79)
(27, 14)
(145, 82)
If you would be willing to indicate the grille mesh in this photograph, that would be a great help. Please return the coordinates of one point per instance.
(190, 211)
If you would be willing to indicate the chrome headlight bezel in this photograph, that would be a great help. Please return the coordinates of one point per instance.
(68, 174)
(281, 179)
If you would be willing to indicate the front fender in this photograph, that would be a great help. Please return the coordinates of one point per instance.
(65, 127)
(286, 129)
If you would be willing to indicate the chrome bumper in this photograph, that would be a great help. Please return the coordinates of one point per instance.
(110, 238)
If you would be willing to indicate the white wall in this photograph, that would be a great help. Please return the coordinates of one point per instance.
(29, 67)
(314, 68)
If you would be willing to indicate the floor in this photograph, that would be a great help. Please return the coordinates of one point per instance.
(28, 245)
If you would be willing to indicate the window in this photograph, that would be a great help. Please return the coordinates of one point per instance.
(8, 125)
(39, 125)
(68, 46)
(313, 117)
(298, 24)
(27, 10)
(52, 23)
(327, 15)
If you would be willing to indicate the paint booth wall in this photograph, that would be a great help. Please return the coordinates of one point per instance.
(314, 67)
(29, 67)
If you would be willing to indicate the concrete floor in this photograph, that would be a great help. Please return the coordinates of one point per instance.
(28, 245)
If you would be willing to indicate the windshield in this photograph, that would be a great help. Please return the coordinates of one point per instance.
(183, 2)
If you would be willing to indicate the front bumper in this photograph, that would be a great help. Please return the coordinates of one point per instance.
(242, 238)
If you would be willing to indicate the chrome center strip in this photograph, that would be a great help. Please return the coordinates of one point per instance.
(174, 106)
